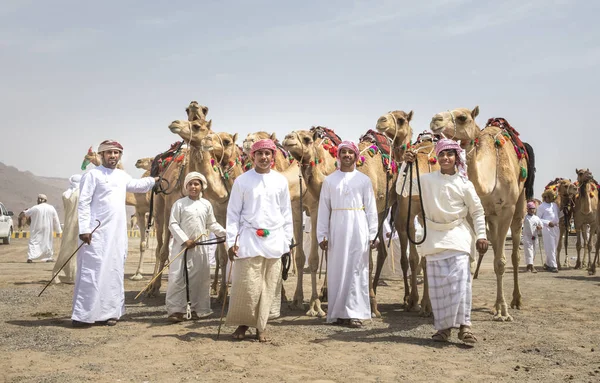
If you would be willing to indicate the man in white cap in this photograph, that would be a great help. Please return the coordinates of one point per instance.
(346, 228)
(549, 215)
(531, 226)
(192, 218)
(99, 295)
(259, 232)
(44, 222)
(70, 238)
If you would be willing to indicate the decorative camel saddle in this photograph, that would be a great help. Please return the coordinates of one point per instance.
(162, 160)
(379, 143)
(508, 133)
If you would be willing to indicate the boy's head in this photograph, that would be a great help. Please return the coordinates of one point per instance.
(548, 196)
(195, 183)
(531, 208)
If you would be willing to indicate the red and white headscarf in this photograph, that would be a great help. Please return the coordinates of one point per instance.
(263, 144)
(531, 205)
(349, 145)
(110, 145)
(448, 144)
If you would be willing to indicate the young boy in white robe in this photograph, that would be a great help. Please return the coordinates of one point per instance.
(549, 215)
(531, 226)
(448, 197)
(191, 217)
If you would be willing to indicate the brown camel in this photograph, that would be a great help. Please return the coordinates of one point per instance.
(144, 163)
(307, 148)
(584, 214)
(565, 192)
(396, 125)
(281, 160)
(503, 180)
(23, 221)
(196, 112)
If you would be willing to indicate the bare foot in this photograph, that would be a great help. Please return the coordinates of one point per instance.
(262, 336)
(240, 333)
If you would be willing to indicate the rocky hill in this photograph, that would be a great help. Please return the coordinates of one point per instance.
(19, 190)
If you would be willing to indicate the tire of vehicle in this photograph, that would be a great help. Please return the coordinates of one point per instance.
(6, 240)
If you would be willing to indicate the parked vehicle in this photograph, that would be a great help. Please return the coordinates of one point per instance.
(6, 224)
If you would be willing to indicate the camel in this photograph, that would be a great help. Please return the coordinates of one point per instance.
(196, 112)
(23, 221)
(141, 203)
(396, 125)
(503, 179)
(584, 213)
(307, 148)
(281, 160)
(565, 199)
(144, 163)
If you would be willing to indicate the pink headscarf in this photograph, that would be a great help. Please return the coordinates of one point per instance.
(263, 144)
(447, 144)
(531, 205)
(350, 145)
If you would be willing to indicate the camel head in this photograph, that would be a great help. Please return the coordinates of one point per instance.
(144, 163)
(583, 175)
(222, 146)
(458, 124)
(300, 144)
(191, 131)
(566, 189)
(396, 125)
(196, 112)
(251, 138)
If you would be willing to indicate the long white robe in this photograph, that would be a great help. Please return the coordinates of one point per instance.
(189, 220)
(348, 220)
(44, 222)
(530, 237)
(548, 212)
(99, 293)
(70, 238)
(258, 201)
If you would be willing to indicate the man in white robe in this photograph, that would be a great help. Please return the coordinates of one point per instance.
(549, 215)
(44, 222)
(346, 228)
(259, 231)
(531, 225)
(192, 219)
(70, 238)
(448, 197)
(99, 295)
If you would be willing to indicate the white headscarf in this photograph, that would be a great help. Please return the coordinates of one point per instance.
(194, 176)
(74, 185)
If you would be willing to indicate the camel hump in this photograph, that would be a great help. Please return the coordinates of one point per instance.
(380, 140)
(530, 171)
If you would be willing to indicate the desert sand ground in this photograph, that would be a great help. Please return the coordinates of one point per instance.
(556, 337)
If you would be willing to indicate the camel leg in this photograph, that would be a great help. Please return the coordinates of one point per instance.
(222, 256)
(314, 308)
(404, 263)
(426, 309)
(589, 244)
(578, 233)
(215, 283)
(381, 257)
(516, 228)
(413, 257)
(141, 216)
(559, 246)
(299, 260)
(374, 311)
(162, 255)
(592, 270)
(498, 231)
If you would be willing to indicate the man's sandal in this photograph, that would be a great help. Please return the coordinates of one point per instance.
(240, 333)
(442, 335)
(467, 336)
(355, 323)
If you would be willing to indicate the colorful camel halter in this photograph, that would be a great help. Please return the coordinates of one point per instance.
(380, 143)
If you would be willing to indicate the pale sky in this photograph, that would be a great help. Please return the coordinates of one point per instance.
(77, 72)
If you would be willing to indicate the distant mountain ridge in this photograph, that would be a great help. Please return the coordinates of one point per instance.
(19, 190)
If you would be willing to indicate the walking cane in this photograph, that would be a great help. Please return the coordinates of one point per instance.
(226, 291)
(478, 265)
(67, 261)
(164, 268)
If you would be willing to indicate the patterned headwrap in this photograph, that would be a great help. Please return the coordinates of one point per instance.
(109, 145)
(194, 176)
(265, 143)
(549, 193)
(448, 144)
(349, 145)
(531, 205)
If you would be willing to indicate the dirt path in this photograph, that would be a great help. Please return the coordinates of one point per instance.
(556, 337)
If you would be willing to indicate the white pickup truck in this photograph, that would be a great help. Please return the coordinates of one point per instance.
(6, 224)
